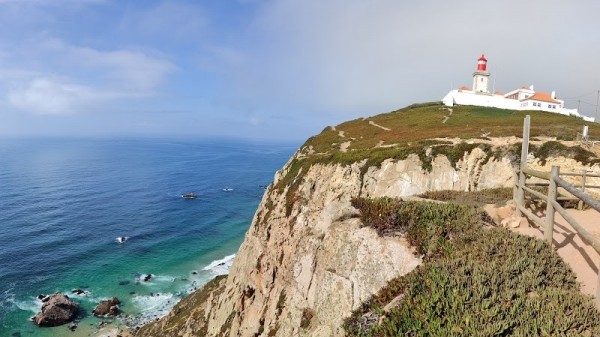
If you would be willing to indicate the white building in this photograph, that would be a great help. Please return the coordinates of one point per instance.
(519, 99)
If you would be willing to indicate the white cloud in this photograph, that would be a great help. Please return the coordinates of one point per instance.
(73, 78)
(47, 96)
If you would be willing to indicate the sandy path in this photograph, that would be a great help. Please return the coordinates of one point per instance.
(379, 126)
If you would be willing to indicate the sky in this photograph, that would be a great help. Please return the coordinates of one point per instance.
(274, 69)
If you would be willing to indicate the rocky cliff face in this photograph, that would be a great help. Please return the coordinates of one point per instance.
(306, 263)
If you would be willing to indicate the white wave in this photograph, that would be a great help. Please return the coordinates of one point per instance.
(220, 267)
(7, 298)
(155, 279)
(33, 305)
(122, 239)
(163, 278)
(151, 307)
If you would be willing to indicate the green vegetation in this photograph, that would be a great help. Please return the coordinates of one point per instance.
(414, 129)
(555, 149)
(477, 281)
(421, 122)
(476, 198)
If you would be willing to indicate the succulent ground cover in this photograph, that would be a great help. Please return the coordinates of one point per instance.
(475, 281)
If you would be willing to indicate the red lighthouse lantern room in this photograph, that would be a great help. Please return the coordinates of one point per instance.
(482, 63)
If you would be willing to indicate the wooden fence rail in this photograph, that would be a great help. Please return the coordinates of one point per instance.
(552, 206)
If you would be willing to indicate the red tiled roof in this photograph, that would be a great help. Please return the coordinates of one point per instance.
(541, 96)
(464, 88)
(498, 93)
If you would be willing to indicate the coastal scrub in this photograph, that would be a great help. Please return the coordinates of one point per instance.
(477, 281)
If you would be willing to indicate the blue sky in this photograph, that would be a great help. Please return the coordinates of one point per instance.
(273, 69)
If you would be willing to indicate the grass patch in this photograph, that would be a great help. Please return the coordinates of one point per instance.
(486, 282)
(476, 198)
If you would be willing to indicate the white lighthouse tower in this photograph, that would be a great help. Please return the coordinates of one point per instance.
(481, 77)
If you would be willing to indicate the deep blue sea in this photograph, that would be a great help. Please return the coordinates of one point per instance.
(63, 203)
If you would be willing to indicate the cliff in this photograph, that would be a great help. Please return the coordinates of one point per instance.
(306, 262)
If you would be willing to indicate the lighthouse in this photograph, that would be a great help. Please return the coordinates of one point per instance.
(481, 77)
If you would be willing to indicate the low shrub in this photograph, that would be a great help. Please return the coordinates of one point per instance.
(489, 282)
(476, 198)
(428, 226)
(555, 149)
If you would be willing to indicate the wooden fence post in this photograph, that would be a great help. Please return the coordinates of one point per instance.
(549, 206)
(524, 154)
(516, 185)
(597, 299)
(580, 204)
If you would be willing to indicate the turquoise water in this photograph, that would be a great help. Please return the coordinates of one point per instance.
(63, 203)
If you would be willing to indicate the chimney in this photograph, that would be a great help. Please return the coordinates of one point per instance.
(531, 87)
(553, 95)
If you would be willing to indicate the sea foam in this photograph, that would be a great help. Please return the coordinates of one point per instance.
(220, 267)
(151, 307)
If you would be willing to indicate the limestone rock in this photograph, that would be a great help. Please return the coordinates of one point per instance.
(306, 263)
(512, 222)
(57, 310)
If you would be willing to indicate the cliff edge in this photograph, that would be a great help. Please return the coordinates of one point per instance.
(307, 262)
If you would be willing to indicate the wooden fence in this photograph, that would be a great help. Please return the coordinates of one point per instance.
(551, 199)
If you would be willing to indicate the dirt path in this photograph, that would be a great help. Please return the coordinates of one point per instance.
(582, 258)
(379, 126)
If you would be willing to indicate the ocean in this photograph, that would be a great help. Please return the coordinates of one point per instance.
(64, 202)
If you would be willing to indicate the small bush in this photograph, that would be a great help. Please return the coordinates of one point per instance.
(555, 149)
(428, 226)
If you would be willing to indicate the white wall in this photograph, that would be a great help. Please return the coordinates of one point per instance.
(481, 83)
(456, 97)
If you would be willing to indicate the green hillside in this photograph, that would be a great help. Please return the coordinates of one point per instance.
(425, 121)
(413, 129)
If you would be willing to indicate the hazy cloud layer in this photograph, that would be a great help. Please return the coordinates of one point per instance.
(363, 57)
(49, 76)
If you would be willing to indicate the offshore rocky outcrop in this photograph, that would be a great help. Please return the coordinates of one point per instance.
(306, 262)
(58, 309)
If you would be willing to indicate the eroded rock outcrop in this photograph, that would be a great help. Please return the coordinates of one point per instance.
(57, 310)
(306, 262)
(107, 308)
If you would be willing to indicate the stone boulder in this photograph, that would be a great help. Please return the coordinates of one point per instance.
(57, 310)
(107, 308)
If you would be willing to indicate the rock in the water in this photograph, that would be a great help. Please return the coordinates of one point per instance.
(147, 277)
(57, 310)
(79, 292)
(124, 283)
(107, 308)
